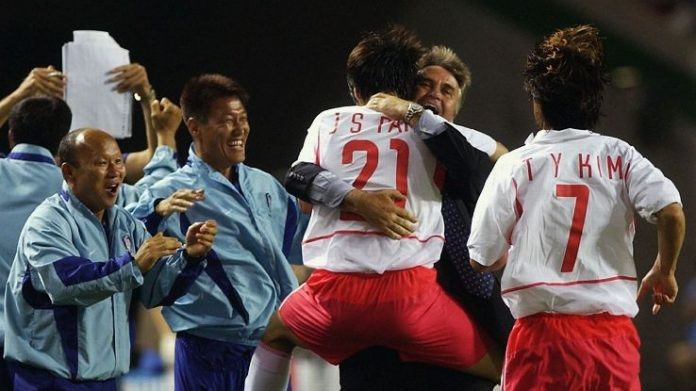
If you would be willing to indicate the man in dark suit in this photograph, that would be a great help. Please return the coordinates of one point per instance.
(467, 156)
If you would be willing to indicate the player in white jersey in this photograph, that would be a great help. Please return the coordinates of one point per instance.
(373, 152)
(560, 212)
(369, 289)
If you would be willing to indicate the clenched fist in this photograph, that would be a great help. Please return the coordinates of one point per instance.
(166, 116)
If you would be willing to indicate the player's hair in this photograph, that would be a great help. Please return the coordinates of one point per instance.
(565, 75)
(41, 120)
(385, 61)
(448, 59)
(201, 91)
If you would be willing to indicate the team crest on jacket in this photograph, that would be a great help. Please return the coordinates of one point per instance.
(128, 243)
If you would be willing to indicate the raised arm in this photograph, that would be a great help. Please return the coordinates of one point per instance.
(40, 81)
(467, 154)
(427, 125)
(133, 78)
(165, 117)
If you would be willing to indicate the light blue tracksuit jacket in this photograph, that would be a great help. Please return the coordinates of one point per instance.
(247, 275)
(70, 288)
(29, 175)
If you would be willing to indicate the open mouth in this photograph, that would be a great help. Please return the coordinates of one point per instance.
(237, 144)
(431, 106)
(113, 189)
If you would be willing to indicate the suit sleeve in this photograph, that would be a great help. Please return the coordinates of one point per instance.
(467, 166)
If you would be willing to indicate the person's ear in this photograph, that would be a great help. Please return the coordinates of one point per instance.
(357, 96)
(68, 172)
(193, 126)
(538, 113)
(11, 138)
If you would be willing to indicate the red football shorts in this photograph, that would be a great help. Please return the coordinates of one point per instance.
(572, 352)
(339, 314)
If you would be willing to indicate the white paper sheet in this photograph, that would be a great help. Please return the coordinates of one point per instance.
(86, 60)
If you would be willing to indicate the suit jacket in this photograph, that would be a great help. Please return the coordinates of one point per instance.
(467, 170)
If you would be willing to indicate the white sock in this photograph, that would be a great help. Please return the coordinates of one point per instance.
(269, 370)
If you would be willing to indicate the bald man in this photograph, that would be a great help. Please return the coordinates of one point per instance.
(78, 261)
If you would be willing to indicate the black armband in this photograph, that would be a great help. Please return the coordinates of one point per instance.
(299, 179)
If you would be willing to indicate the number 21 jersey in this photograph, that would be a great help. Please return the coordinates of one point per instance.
(372, 152)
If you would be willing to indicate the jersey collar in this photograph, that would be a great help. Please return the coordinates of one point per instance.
(31, 153)
(555, 136)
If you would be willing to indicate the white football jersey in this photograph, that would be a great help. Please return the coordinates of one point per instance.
(367, 149)
(563, 206)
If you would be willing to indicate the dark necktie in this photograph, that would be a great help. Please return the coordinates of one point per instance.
(456, 235)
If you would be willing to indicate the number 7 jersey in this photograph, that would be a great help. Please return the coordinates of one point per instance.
(372, 152)
(564, 205)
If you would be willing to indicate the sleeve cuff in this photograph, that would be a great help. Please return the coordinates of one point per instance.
(430, 125)
(135, 270)
(328, 190)
(153, 219)
(191, 259)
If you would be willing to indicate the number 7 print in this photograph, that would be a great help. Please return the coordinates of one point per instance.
(581, 193)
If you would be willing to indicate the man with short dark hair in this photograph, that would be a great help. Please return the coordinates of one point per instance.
(467, 155)
(29, 175)
(78, 260)
(369, 289)
(559, 214)
(221, 320)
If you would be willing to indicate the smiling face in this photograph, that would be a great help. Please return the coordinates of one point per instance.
(97, 172)
(437, 89)
(220, 141)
